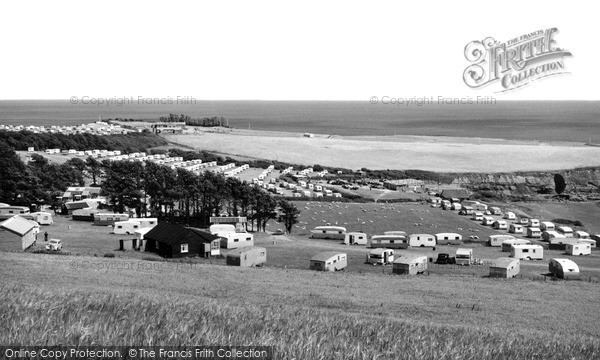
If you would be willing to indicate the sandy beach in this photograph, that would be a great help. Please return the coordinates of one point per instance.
(445, 154)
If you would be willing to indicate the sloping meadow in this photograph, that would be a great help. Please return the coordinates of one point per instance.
(302, 314)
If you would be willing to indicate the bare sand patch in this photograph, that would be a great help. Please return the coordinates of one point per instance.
(396, 152)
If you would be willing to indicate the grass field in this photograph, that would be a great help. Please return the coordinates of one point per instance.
(364, 312)
(294, 251)
(391, 152)
(303, 314)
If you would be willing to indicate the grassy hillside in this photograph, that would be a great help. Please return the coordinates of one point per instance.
(303, 314)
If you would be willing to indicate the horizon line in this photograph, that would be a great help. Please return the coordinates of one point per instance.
(295, 100)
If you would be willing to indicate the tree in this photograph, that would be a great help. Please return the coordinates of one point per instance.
(289, 215)
(123, 185)
(264, 207)
(11, 169)
(94, 167)
(559, 183)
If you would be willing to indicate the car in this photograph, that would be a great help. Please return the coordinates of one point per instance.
(54, 245)
(445, 259)
(278, 232)
(473, 237)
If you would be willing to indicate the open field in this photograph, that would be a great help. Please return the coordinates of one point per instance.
(294, 251)
(588, 213)
(49, 300)
(392, 152)
(453, 313)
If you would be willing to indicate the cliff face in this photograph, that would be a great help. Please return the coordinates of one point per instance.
(581, 184)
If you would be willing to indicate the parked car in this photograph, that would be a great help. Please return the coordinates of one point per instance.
(278, 232)
(445, 259)
(54, 245)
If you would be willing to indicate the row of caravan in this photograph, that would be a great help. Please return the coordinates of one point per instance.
(510, 267)
(231, 238)
(41, 217)
(406, 264)
(389, 239)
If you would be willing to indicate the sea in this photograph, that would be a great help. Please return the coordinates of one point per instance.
(573, 121)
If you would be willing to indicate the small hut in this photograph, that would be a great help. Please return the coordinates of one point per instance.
(505, 268)
(412, 264)
(329, 261)
(247, 256)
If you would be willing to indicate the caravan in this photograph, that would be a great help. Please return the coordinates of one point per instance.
(6, 212)
(464, 256)
(147, 222)
(448, 239)
(355, 238)
(329, 232)
(329, 261)
(380, 256)
(104, 219)
(564, 268)
(487, 221)
(547, 226)
(500, 225)
(515, 229)
(504, 268)
(579, 248)
(421, 240)
(534, 233)
(410, 264)
(527, 252)
(389, 241)
(497, 240)
(509, 215)
(477, 216)
(565, 230)
(128, 227)
(247, 256)
(508, 244)
(42, 218)
(230, 238)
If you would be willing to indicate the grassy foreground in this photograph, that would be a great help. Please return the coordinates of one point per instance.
(46, 300)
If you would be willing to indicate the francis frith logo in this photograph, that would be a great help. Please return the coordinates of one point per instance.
(514, 63)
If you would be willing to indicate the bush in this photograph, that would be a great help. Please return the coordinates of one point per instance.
(109, 255)
(568, 222)
(147, 258)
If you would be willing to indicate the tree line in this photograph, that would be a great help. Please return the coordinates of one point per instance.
(205, 121)
(38, 181)
(154, 190)
(182, 196)
(127, 143)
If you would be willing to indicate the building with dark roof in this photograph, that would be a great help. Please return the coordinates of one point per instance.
(172, 241)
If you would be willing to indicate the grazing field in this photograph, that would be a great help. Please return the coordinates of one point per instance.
(293, 251)
(588, 213)
(48, 300)
(392, 152)
(364, 312)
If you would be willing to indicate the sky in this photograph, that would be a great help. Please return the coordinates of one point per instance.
(279, 50)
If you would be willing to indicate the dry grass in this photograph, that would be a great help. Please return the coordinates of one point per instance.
(303, 314)
(425, 153)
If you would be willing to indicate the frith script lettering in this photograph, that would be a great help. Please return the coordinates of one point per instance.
(516, 62)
